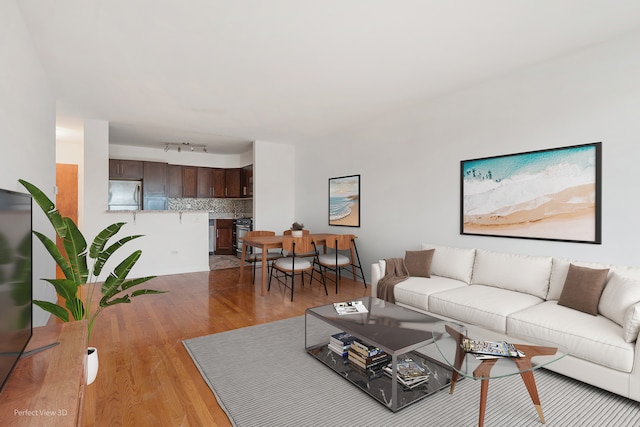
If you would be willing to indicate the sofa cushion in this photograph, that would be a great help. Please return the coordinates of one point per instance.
(484, 306)
(559, 272)
(418, 263)
(528, 274)
(455, 263)
(632, 323)
(618, 295)
(415, 291)
(592, 338)
(582, 288)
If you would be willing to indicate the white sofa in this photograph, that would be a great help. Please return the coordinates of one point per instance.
(515, 297)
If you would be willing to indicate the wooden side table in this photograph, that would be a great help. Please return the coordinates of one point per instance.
(47, 388)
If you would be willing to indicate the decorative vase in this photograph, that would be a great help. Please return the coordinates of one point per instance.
(91, 369)
(296, 233)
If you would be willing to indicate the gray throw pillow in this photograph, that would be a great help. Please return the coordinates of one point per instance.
(418, 263)
(583, 288)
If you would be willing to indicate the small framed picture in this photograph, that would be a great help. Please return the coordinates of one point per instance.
(344, 201)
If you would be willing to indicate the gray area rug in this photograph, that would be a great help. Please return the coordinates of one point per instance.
(262, 376)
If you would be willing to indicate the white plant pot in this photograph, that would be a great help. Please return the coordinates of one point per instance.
(296, 233)
(91, 368)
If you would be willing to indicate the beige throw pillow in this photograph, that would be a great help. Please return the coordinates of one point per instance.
(632, 323)
(582, 289)
(620, 293)
(418, 263)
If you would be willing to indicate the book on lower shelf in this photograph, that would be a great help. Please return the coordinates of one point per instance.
(350, 307)
(490, 348)
(374, 362)
(409, 373)
(340, 343)
(367, 356)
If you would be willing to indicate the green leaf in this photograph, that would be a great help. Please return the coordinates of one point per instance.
(54, 309)
(103, 237)
(135, 282)
(75, 246)
(66, 288)
(103, 256)
(104, 302)
(56, 255)
(146, 292)
(76, 307)
(47, 206)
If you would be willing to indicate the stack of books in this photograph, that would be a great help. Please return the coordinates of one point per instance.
(339, 343)
(366, 356)
(410, 373)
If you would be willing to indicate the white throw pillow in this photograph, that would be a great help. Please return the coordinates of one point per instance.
(521, 273)
(454, 263)
(618, 295)
(632, 323)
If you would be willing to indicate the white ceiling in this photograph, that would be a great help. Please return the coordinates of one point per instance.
(227, 72)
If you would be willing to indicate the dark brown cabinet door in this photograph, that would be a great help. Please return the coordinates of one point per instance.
(205, 182)
(246, 183)
(155, 178)
(232, 182)
(189, 181)
(218, 182)
(224, 237)
(174, 181)
(154, 186)
(125, 169)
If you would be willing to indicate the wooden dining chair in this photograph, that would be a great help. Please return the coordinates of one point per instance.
(256, 257)
(297, 263)
(304, 233)
(341, 253)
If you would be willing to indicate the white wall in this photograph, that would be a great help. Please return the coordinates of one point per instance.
(409, 161)
(27, 134)
(274, 186)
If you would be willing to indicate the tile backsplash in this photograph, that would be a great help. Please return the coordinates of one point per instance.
(235, 207)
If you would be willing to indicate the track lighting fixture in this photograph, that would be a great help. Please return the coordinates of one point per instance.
(180, 145)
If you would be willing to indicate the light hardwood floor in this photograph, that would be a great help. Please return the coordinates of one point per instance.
(146, 377)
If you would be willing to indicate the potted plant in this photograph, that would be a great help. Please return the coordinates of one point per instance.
(72, 259)
(296, 229)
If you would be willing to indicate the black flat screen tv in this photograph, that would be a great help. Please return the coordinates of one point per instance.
(16, 316)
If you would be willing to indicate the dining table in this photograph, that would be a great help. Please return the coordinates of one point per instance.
(264, 243)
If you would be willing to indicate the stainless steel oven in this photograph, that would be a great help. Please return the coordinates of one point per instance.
(242, 226)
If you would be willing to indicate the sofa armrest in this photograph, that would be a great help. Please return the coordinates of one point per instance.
(377, 271)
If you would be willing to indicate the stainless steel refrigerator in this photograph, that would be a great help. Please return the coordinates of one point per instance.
(125, 195)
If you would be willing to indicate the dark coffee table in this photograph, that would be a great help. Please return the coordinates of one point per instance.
(396, 330)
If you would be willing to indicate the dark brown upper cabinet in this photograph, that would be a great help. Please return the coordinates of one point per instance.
(126, 169)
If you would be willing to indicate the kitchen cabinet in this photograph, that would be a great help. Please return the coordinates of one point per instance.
(154, 186)
(205, 182)
(126, 169)
(224, 237)
(189, 181)
(246, 181)
(218, 176)
(232, 182)
(174, 181)
(211, 182)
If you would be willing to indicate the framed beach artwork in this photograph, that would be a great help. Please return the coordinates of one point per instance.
(344, 201)
(552, 194)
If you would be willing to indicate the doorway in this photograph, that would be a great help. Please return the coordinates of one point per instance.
(66, 198)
